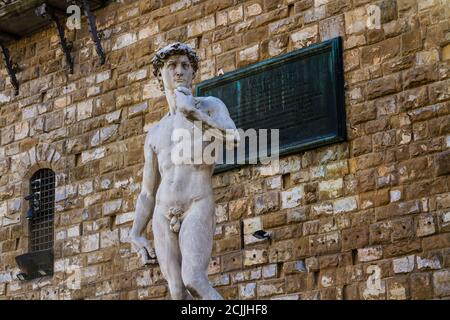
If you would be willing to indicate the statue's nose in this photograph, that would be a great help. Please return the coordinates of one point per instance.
(179, 70)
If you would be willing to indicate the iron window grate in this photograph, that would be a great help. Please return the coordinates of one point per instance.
(42, 186)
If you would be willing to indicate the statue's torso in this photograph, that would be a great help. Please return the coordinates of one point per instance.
(180, 183)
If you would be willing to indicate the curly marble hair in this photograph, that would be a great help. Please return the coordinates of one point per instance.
(175, 48)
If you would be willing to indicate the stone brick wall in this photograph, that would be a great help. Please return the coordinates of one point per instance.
(365, 219)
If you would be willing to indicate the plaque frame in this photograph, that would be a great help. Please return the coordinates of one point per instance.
(334, 48)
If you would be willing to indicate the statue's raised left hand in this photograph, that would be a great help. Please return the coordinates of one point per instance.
(184, 100)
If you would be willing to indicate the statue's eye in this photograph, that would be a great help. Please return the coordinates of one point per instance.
(185, 65)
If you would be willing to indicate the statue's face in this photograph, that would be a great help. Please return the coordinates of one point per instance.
(177, 71)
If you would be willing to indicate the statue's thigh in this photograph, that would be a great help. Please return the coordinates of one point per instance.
(196, 233)
(166, 245)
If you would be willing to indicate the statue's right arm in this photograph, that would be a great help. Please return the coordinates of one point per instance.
(145, 203)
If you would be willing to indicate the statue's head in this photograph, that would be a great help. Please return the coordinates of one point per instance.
(175, 65)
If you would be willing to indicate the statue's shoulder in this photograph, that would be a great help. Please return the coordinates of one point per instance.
(156, 130)
(156, 127)
(151, 134)
(211, 102)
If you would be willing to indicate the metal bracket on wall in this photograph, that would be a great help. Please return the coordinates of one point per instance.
(48, 12)
(10, 68)
(92, 27)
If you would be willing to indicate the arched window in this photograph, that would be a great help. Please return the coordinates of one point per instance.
(38, 261)
(42, 191)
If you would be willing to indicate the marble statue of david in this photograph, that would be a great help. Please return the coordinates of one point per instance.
(179, 196)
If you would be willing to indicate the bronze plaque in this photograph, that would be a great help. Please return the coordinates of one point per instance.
(301, 93)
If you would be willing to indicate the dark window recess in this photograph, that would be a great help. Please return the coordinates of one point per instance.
(42, 186)
(39, 261)
(300, 93)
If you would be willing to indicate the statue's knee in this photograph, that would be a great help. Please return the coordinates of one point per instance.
(192, 283)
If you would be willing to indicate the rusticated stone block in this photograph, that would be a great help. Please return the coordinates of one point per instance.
(411, 42)
(273, 15)
(228, 244)
(442, 163)
(439, 91)
(361, 145)
(326, 243)
(214, 6)
(294, 267)
(398, 64)
(90, 243)
(255, 257)
(404, 265)
(230, 292)
(355, 21)
(189, 15)
(266, 202)
(402, 228)
(370, 253)
(329, 294)
(398, 288)
(232, 261)
(421, 286)
(305, 37)
(441, 282)
(419, 76)
(312, 264)
(374, 199)
(292, 198)
(425, 225)
(274, 220)
(355, 238)
(383, 86)
(201, 26)
(330, 189)
(302, 5)
(247, 291)
(248, 55)
(436, 242)
(283, 251)
(331, 28)
(270, 288)
(380, 232)
(296, 283)
(429, 261)
(380, 52)
(403, 247)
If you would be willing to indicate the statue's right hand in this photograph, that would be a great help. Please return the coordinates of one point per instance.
(147, 255)
(145, 250)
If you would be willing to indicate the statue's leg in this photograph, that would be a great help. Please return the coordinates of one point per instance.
(196, 239)
(169, 256)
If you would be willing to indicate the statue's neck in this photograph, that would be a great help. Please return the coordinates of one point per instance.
(170, 95)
